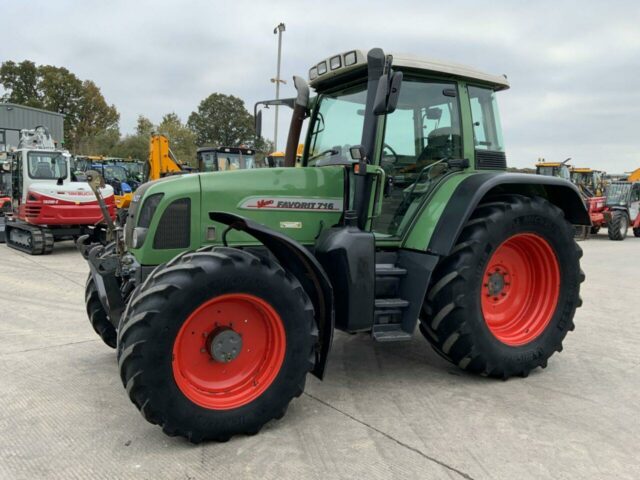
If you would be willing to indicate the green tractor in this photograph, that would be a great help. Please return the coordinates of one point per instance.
(223, 290)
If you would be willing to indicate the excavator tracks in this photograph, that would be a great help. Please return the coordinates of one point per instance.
(30, 239)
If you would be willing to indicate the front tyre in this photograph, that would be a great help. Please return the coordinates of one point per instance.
(216, 343)
(503, 301)
(97, 314)
(618, 226)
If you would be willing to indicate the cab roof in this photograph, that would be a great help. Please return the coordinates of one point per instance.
(354, 60)
(551, 164)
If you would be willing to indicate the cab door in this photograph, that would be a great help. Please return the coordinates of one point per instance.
(424, 130)
(16, 180)
(634, 204)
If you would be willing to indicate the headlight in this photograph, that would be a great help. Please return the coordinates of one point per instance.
(148, 209)
(139, 234)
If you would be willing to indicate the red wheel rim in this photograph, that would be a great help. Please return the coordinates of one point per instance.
(220, 385)
(520, 289)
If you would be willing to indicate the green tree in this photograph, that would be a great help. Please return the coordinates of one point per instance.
(181, 139)
(222, 120)
(145, 126)
(57, 89)
(136, 145)
(20, 80)
(132, 146)
(102, 143)
(96, 119)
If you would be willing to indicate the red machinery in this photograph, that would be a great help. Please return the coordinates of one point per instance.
(46, 203)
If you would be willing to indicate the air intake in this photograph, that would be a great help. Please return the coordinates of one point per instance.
(488, 160)
(174, 229)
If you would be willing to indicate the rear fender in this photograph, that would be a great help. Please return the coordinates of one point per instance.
(301, 263)
(472, 190)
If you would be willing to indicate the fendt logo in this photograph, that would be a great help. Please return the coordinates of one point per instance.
(263, 203)
(292, 204)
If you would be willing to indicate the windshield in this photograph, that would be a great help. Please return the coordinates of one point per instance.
(115, 172)
(618, 193)
(562, 171)
(47, 165)
(226, 161)
(338, 124)
(133, 170)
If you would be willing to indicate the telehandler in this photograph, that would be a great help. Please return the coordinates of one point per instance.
(225, 288)
(623, 209)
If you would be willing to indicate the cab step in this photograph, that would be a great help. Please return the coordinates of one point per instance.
(391, 332)
(391, 303)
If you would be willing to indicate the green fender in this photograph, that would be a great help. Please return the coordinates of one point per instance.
(441, 221)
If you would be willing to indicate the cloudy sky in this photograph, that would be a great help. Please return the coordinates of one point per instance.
(572, 64)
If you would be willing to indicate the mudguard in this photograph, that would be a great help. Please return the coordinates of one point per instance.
(301, 263)
(473, 189)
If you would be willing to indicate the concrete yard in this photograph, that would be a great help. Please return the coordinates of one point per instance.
(384, 411)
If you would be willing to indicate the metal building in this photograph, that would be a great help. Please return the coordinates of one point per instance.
(14, 118)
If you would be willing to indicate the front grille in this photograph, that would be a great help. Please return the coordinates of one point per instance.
(174, 229)
(488, 160)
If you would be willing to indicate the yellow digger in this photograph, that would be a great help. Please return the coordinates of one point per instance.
(161, 163)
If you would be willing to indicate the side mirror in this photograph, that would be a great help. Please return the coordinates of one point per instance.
(387, 93)
(302, 89)
(258, 121)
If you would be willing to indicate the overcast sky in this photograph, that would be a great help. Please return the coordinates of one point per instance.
(573, 65)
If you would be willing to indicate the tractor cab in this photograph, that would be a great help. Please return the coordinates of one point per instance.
(590, 182)
(218, 159)
(554, 169)
(275, 159)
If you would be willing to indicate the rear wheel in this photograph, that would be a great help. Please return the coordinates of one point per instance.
(216, 343)
(503, 301)
(618, 225)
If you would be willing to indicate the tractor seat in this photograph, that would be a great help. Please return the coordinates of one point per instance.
(441, 142)
(43, 170)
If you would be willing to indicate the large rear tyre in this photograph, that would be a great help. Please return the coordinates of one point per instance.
(216, 343)
(503, 301)
(618, 226)
(98, 316)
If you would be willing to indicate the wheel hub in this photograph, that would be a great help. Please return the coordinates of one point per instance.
(496, 283)
(225, 346)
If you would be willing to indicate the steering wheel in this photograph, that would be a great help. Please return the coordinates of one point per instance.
(393, 152)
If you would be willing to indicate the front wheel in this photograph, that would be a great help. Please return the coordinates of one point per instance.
(98, 316)
(618, 226)
(636, 232)
(503, 301)
(216, 343)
